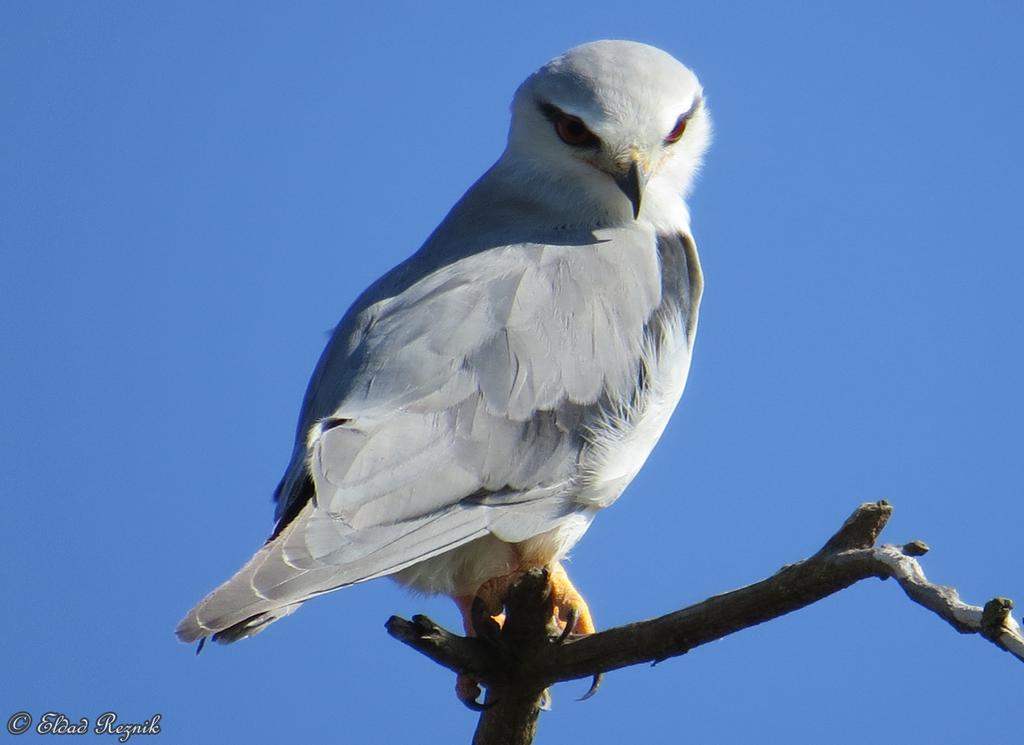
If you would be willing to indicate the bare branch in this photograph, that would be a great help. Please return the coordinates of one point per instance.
(993, 622)
(457, 653)
(530, 657)
(514, 704)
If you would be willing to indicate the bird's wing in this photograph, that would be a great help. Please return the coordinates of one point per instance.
(442, 409)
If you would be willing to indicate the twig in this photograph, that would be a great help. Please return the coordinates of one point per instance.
(519, 670)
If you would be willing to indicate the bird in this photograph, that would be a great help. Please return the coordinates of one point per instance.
(481, 402)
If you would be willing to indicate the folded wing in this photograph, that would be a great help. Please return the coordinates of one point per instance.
(447, 407)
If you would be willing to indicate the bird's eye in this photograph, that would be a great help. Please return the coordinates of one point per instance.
(677, 131)
(574, 132)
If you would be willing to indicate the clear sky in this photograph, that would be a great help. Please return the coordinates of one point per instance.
(191, 194)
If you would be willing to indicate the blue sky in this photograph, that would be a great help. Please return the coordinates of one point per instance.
(193, 193)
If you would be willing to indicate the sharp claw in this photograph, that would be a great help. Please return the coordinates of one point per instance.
(474, 705)
(595, 686)
(570, 623)
(468, 690)
(545, 700)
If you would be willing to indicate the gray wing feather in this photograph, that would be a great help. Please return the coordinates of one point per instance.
(453, 407)
(282, 574)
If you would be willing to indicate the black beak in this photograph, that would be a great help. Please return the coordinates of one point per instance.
(632, 184)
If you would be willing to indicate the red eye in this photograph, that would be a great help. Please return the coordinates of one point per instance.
(677, 131)
(574, 132)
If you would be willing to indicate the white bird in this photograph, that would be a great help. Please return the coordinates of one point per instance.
(480, 403)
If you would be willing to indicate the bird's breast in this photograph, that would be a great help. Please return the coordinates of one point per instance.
(628, 428)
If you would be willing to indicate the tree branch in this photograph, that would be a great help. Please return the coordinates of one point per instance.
(528, 656)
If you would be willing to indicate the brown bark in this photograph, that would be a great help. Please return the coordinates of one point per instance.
(525, 657)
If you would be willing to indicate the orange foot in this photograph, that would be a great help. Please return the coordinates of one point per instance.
(570, 612)
(570, 607)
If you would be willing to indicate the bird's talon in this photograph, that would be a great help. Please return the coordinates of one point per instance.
(468, 691)
(474, 705)
(595, 686)
(571, 617)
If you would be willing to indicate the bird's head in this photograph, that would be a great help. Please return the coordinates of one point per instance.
(616, 126)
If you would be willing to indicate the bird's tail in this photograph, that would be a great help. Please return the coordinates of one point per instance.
(236, 609)
(271, 585)
(316, 553)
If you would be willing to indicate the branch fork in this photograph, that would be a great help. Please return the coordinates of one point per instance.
(530, 656)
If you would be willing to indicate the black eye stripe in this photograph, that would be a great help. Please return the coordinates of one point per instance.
(697, 103)
(552, 112)
(559, 118)
(570, 129)
(679, 128)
